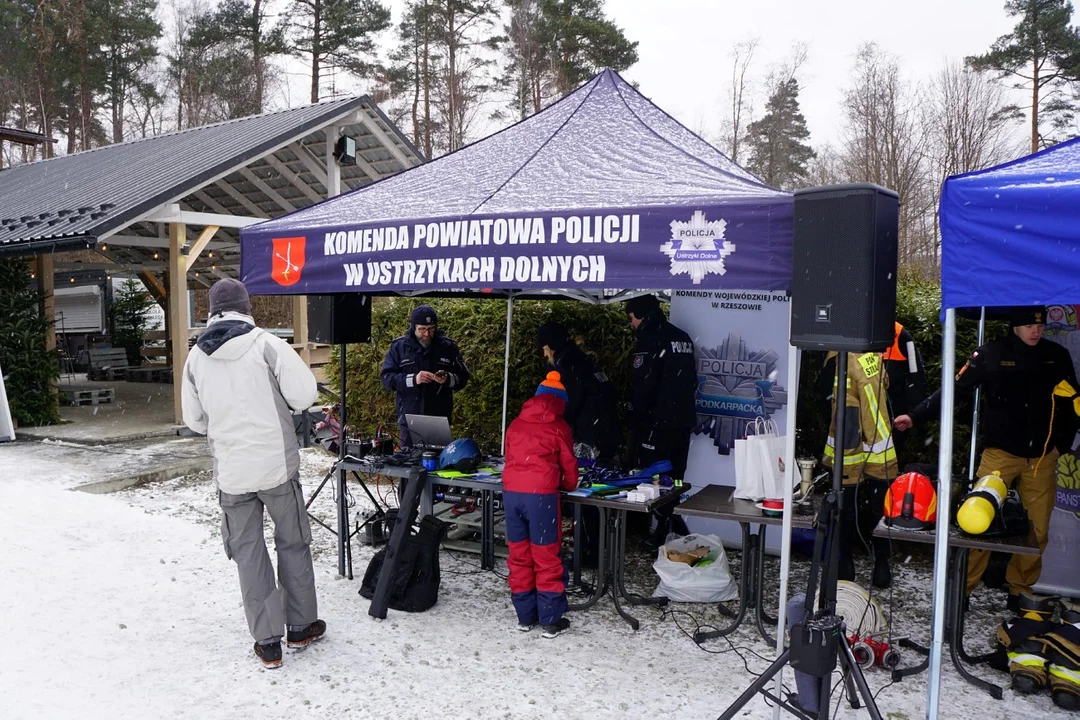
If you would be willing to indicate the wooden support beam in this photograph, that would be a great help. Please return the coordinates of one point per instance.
(371, 124)
(300, 327)
(44, 269)
(156, 289)
(309, 160)
(292, 177)
(268, 191)
(242, 199)
(178, 312)
(333, 172)
(200, 244)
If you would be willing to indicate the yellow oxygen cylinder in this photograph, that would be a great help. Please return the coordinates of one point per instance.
(981, 504)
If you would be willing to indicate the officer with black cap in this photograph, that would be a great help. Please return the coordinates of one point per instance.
(1022, 435)
(662, 405)
(591, 410)
(425, 368)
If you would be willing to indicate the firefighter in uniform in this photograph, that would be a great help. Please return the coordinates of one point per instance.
(662, 398)
(1022, 436)
(869, 459)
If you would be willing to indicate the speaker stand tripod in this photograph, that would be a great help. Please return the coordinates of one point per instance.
(828, 537)
(341, 489)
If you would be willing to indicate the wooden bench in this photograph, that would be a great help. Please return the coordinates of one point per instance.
(107, 364)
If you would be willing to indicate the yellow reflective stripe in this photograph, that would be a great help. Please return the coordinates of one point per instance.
(882, 458)
(1027, 660)
(880, 446)
(854, 459)
(1065, 673)
(883, 428)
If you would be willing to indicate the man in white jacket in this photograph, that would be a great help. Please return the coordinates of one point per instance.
(240, 387)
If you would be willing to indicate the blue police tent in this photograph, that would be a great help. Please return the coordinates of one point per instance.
(1010, 235)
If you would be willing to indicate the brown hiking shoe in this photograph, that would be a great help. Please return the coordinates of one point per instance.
(303, 638)
(270, 654)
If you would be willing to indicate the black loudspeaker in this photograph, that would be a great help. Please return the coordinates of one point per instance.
(843, 294)
(339, 319)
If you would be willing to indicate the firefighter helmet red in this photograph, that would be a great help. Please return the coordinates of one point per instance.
(911, 502)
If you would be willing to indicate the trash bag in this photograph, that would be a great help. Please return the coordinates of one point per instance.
(707, 580)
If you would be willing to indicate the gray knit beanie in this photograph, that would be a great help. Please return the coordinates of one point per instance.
(229, 295)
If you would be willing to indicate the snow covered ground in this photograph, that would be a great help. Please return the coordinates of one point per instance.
(124, 606)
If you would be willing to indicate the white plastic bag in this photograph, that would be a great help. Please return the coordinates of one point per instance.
(770, 450)
(753, 479)
(682, 583)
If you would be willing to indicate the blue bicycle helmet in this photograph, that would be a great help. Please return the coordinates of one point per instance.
(462, 455)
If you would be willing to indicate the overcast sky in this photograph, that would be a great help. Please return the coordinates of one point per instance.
(685, 46)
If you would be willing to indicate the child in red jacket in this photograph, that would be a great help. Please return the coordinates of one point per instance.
(539, 462)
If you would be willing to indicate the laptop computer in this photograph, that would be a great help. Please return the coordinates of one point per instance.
(429, 431)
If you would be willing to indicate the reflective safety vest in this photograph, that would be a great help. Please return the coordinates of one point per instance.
(868, 446)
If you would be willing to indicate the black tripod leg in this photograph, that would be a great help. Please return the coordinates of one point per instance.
(410, 502)
(854, 672)
(379, 512)
(759, 686)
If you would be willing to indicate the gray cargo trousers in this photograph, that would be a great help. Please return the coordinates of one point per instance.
(268, 606)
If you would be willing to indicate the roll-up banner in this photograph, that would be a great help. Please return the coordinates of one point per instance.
(741, 350)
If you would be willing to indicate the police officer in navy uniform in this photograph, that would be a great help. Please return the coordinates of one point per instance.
(662, 397)
(592, 408)
(425, 369)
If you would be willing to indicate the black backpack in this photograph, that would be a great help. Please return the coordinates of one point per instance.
(415, 585)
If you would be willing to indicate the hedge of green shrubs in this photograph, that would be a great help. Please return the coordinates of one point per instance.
(479, 327)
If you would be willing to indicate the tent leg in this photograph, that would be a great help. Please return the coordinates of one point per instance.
(941, 541)
(506, 369)
(794, 360)
(975, 404)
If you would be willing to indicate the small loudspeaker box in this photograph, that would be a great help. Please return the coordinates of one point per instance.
(339, 319)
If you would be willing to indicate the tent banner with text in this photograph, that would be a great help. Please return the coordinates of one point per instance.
(720, 246)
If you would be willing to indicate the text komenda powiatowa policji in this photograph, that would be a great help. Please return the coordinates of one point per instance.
(586, 235)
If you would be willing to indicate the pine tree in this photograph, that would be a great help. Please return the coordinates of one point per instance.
(778, 150)
(556, 45)
(129, 46)
(129, 311)
(30, 370)
(1041, 54)
(411, 74)
(336, 33)
(582, 41)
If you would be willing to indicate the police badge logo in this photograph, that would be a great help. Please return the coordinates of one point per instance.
(639, 360)
(698, 247)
